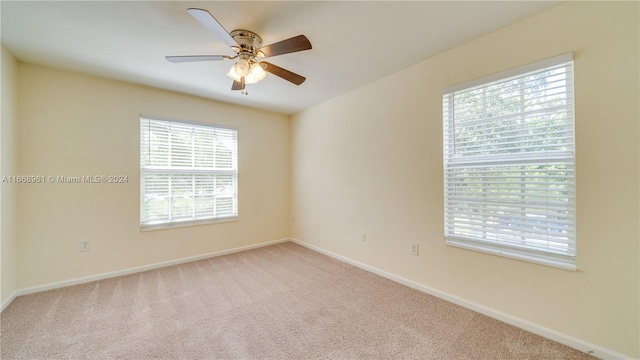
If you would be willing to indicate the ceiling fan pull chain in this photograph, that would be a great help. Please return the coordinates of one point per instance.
(244, 89)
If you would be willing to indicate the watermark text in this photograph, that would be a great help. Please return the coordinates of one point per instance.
(65, 179)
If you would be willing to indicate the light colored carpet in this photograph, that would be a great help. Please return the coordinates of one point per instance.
(278, 302)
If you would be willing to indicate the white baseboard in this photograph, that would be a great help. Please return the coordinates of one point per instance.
(581, 345)
(8, 300)
(137, 269)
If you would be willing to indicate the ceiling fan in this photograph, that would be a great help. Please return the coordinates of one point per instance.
(249, 67)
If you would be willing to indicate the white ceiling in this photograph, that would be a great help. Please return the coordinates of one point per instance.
(354, 42)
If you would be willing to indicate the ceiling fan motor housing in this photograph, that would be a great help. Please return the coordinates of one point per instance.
(249, 41)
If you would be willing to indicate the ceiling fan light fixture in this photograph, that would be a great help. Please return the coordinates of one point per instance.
(241, 67)
(239, 70)
(232, 74)
(254, 74)
(249, 80)
(257, 72)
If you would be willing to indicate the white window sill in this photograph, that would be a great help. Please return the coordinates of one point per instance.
(150, 227)
(516, 255)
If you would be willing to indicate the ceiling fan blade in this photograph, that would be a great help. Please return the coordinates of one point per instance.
(180, 59)
(296, 43)
(212, 24)
(283, 73)
(237, 85)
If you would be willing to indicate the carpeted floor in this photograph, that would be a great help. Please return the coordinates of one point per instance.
(278, 302)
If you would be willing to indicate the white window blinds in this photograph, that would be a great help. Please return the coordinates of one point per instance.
(188, 173)
(509, 172)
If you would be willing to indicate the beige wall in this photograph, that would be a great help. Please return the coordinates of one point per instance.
(74, 125)
(371, 161)
(9, 191)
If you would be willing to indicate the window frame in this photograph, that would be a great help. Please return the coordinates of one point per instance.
(146, 226)
(497, 246)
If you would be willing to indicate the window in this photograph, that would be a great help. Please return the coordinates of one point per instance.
(509, 174)
(188, 174)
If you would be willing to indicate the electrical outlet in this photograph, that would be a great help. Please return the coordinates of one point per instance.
(85, 245)
(363, 236)
(414, 249)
